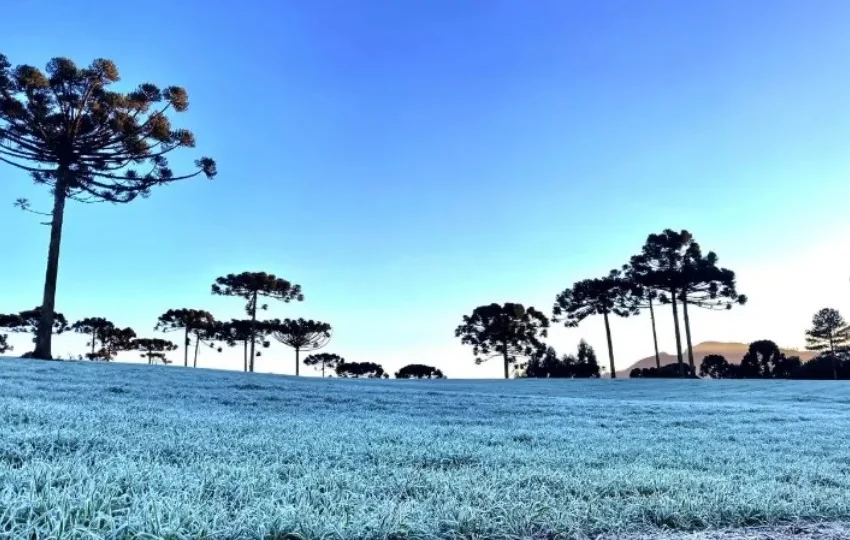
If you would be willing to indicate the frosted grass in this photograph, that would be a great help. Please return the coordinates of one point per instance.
(128, 451)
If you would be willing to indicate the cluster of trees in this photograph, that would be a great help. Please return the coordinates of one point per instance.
(671, 269)
(545, 364)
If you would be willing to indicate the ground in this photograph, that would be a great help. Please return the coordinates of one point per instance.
(133, 451)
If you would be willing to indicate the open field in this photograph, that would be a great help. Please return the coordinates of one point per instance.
(129, 451)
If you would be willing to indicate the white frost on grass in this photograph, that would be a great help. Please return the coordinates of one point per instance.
(125, 451)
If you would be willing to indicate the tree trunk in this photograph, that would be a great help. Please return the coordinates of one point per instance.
(296, 362)
(253, 330)
(186, 348)
(834, 358)
(678, 335)
(654, 334)
(688, 333)
(197, 342)
(245, 351)
(323, 369)
(44, 334)
(93, 342)
(610, 345)
(505, 356)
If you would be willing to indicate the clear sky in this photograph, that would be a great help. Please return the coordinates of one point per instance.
(407, 161)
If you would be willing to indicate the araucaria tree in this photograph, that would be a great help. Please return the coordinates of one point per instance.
(361, 370)
(153, 349)
(194, 322)
(419, 371)
(113, 341)
(601, 296)
(510, 332)
(95, 327)
(642, 295)
(243, 331)
(71, 133)
(252, 286)
(302, 335)
(324, 361)
(28, 321)
(829, 334)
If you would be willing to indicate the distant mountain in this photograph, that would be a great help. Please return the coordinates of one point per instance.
(733, 352)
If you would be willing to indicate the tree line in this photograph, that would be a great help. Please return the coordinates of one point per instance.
(670, 269)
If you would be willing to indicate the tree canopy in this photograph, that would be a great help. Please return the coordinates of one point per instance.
(509, 331)
(27, 322)
(322, 361)
(419, 371)
(85, 142)
(829, 333)
(196, 322)
(301, 335)
(153, 349)
(361, 370)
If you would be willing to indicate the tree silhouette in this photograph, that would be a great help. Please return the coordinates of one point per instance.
(87, 143)
(763, 360)
(419, 371)
(667, 371)
(95, 327)
(715, 366)
(324, 360)
(113, 340)
(252, 286)
(301, 335)
(153, 349)
(643, 296)
(660, 266)
(601, 296)
(509, 331)
(4, 344)
(829, 333)
(243, 331)
(27, 322)
(546, 364)
(360, 370)
(196, 322)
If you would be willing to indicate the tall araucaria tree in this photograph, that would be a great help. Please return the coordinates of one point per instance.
(252, 286)
(85, 142)
(509, 331)
(154, 349)
(238, 331)
(301, 335)
(113, 341)
(95, 327)
(599, 296)
(829, 334)
(194, 322)
(324, 360)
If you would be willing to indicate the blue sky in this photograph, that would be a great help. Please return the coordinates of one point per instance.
(407, 161)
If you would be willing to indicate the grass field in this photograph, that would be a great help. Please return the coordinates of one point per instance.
(131, 451)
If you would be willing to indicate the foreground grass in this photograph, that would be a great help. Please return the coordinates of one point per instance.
(125, 451)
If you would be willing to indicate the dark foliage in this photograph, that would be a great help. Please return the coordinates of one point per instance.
(194, 322)
(113, 341)
(252, 286)
(612, 294)
(85, 142)
(324, 360)
(4, 344)
(829, 333)
(547, 365)
(667, 371)
(764, 360)
(27, 322)
(153, 349)
(825, 366)
(419, 371)
(509, 331)
(715, 366)
(242, 331)
(301, 335)
(361, 370)
(95, 327)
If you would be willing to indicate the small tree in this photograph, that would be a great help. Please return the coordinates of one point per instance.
(715, 366)
(360, 370)
(194, 322)
(114, 340)
(586, 366)
(419, 371)
(4, 344)
(829, 333)
(763, 360)
(301, 335)
(509, 331)
(609, 295)
(252, 286)
(95, 327)
(85, 142)
(154, 349)
(324, 360)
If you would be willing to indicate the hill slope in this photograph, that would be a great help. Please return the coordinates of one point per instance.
(733, 352)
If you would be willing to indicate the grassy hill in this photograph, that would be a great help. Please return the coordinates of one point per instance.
(733, 352)
(122, 451)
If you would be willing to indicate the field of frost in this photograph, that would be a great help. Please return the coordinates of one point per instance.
(133, 451)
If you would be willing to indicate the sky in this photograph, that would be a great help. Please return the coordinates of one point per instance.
(407, 161)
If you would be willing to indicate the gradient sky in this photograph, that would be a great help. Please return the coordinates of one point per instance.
(406, 161)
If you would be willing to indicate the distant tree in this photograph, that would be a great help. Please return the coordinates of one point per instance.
(667, 371)
(301, 335)
(154, 349)
(195, 322)
(825, 366)
(763, 360)
(324, 360)
(113, 341)
(243, 331)
(360, 370)
(586, 366)
(509, 331)
(787, 368)
(829, 333)
(546, 364)
(252, 286)
(602, 296)
(4, 344)
(95, 327)
(26, 322)
(419, 371)
(85, 142)
(715, 366)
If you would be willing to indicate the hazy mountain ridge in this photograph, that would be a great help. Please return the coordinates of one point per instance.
(733, 352)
